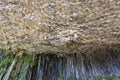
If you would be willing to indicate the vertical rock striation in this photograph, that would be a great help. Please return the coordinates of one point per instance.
(47, 25)
(77, 39)
(92, 61)
(85, 66)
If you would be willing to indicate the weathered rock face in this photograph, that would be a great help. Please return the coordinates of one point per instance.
(48, 25)
(93, 62)
(76, 38)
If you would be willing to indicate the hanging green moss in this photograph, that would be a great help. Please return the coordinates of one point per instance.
(24, 63)
(8, 59)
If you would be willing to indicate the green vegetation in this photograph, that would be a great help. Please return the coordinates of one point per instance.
(3, 72)
(29, 59)
(60, 73)
(95, 78)
(6, 61)
(70, 78)
(98, 78)
(21, 67)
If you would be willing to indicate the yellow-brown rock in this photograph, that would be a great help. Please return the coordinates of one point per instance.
(58, 26)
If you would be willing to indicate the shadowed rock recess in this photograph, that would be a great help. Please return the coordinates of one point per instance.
(59, 40)
(92, 63)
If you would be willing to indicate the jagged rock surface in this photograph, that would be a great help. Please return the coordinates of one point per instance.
(88, 30)
(49, 25)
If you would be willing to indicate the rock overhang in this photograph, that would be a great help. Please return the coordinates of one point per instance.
(58, 26)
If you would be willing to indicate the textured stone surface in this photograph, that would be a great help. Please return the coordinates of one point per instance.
(57, 25)
(94, 61)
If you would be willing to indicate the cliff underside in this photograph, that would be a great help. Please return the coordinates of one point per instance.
(49, 26)
(59, 39)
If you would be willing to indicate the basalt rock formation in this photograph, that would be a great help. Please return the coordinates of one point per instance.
(93, 63)
(59, 39)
